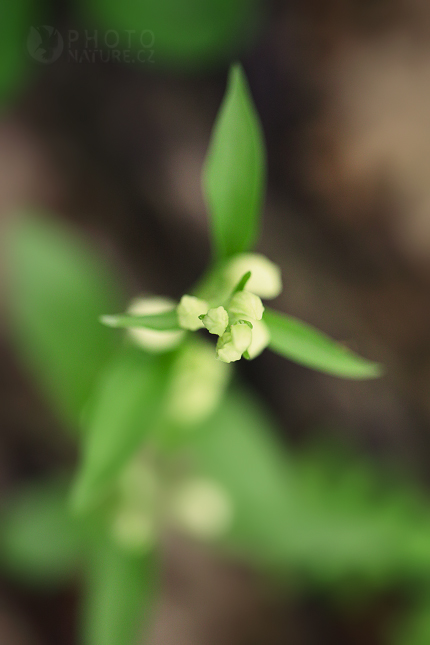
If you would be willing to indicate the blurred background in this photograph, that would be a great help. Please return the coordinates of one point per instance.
(106, 114)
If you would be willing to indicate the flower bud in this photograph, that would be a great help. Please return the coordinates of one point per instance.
(241, 334)
(133, 530)
(202, 508)
(150, 339)
(197, 385)
(216, 321)
(225, 349)
(265, 280)
(233, 343)
(246, 305)
(260, 338)
(189, 310)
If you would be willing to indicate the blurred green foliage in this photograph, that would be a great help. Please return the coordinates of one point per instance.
(329, 516)
(124, 410)
(184, 35)
(15, 21)
(57, 291)
(40, 542)
(120, 593)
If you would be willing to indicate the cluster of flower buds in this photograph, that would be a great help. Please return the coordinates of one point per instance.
(238, 321)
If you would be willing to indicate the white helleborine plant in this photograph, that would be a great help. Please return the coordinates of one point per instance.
(227, 302)
(162, 444)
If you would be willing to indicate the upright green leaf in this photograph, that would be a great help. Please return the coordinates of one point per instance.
(125, 408)
(119, 595)
(304, 344)
(40, 542)
(57, 289)
(234, 174)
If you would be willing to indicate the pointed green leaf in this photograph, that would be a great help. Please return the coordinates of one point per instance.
(234, 173)
(40, 542)
(242, 283)
(307, 346)
(167, 321)
(57, 288)
(119, 595)
(124, 410)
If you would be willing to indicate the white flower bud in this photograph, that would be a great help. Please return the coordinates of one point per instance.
(189, 310)
(138, 484)
(233, 343)
(216, 321)
(241, 334)
(246, 305)
(260, 338)
(225, 349)
(150, 339)
(202, 508)
(265, 280)
(133, 530)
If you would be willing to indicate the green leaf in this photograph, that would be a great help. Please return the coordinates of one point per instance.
(242, 283)
(124, 410)
(167, 321)
(234, 173)
(119, 595)
(307, 346)
(57, 289)
(40, 543)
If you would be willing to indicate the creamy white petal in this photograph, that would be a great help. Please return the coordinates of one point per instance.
(150, 339)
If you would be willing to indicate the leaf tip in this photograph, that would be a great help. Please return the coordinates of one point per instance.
(109, 320)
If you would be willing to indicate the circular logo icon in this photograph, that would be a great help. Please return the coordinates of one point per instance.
(45, 44)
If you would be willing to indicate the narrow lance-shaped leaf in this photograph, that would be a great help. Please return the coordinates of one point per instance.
(234, 173)
(167, 321)
(124, 410)
(304, 344)
(242, 283)
(119, 595)
(57, 288)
